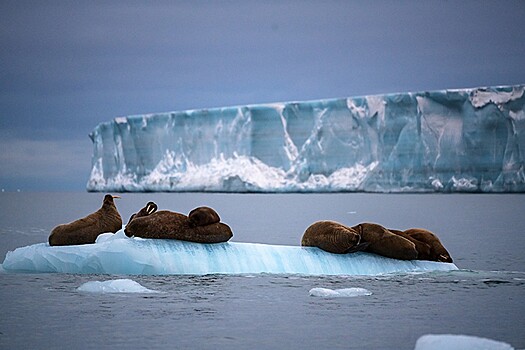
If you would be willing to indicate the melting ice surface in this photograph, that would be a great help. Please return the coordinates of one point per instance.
(450, 140)
(459, 342)
(118, 254)
(114, 286)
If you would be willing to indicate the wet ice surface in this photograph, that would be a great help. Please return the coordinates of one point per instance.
(483, 299)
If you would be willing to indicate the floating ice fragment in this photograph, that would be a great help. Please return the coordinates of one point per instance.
(458, 342)
(114, 286)
(334, 293)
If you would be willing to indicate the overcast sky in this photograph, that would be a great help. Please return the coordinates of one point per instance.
(66, 66)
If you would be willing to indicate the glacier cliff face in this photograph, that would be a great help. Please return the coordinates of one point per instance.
(441, 141)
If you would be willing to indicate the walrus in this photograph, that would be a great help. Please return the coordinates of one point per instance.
(423, 249)
(332, 237)
(411, 244)
(383, 242)
(87, 229)
(437, 250)
(202, 225)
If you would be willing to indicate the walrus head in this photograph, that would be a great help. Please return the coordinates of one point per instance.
(149, 209)
(108, 199)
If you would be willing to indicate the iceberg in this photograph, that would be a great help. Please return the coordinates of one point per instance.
(120, 255)
(462, 140)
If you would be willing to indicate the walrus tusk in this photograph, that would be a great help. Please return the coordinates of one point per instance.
(151, 209)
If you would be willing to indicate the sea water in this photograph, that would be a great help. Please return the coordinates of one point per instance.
(486, 298)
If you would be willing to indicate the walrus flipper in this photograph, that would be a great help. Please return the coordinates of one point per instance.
(359, 247)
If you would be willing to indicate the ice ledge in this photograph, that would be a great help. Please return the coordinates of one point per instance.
(462, 140)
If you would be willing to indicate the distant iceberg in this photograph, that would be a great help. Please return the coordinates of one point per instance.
(120, 255)
(465, 140)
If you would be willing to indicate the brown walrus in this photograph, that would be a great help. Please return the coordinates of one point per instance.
(405, 245)
(423, 249)
(202, 225)
(385, 243)
(87, 229)
(437, 250)
(332, 237)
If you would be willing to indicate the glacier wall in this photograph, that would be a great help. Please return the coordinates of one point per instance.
(118, 254)
(461, 140)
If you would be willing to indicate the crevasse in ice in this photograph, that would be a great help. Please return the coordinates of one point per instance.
(445, 141)
(120, 255)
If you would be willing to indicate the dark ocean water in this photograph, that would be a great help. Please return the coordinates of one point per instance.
(486, 298)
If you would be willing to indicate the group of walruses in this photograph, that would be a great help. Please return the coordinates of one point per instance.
(202, 225)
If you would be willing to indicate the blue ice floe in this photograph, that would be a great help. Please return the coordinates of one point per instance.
(118, 254)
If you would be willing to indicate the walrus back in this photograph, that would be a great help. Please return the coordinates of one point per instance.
(423, 249)
(330, 236)
(87, 229)
(386, 243)
(77, 232)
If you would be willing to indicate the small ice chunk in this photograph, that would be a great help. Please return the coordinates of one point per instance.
(458, 342)
(108, 236)
(104, 237)
(334, 293)
(114, 286)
